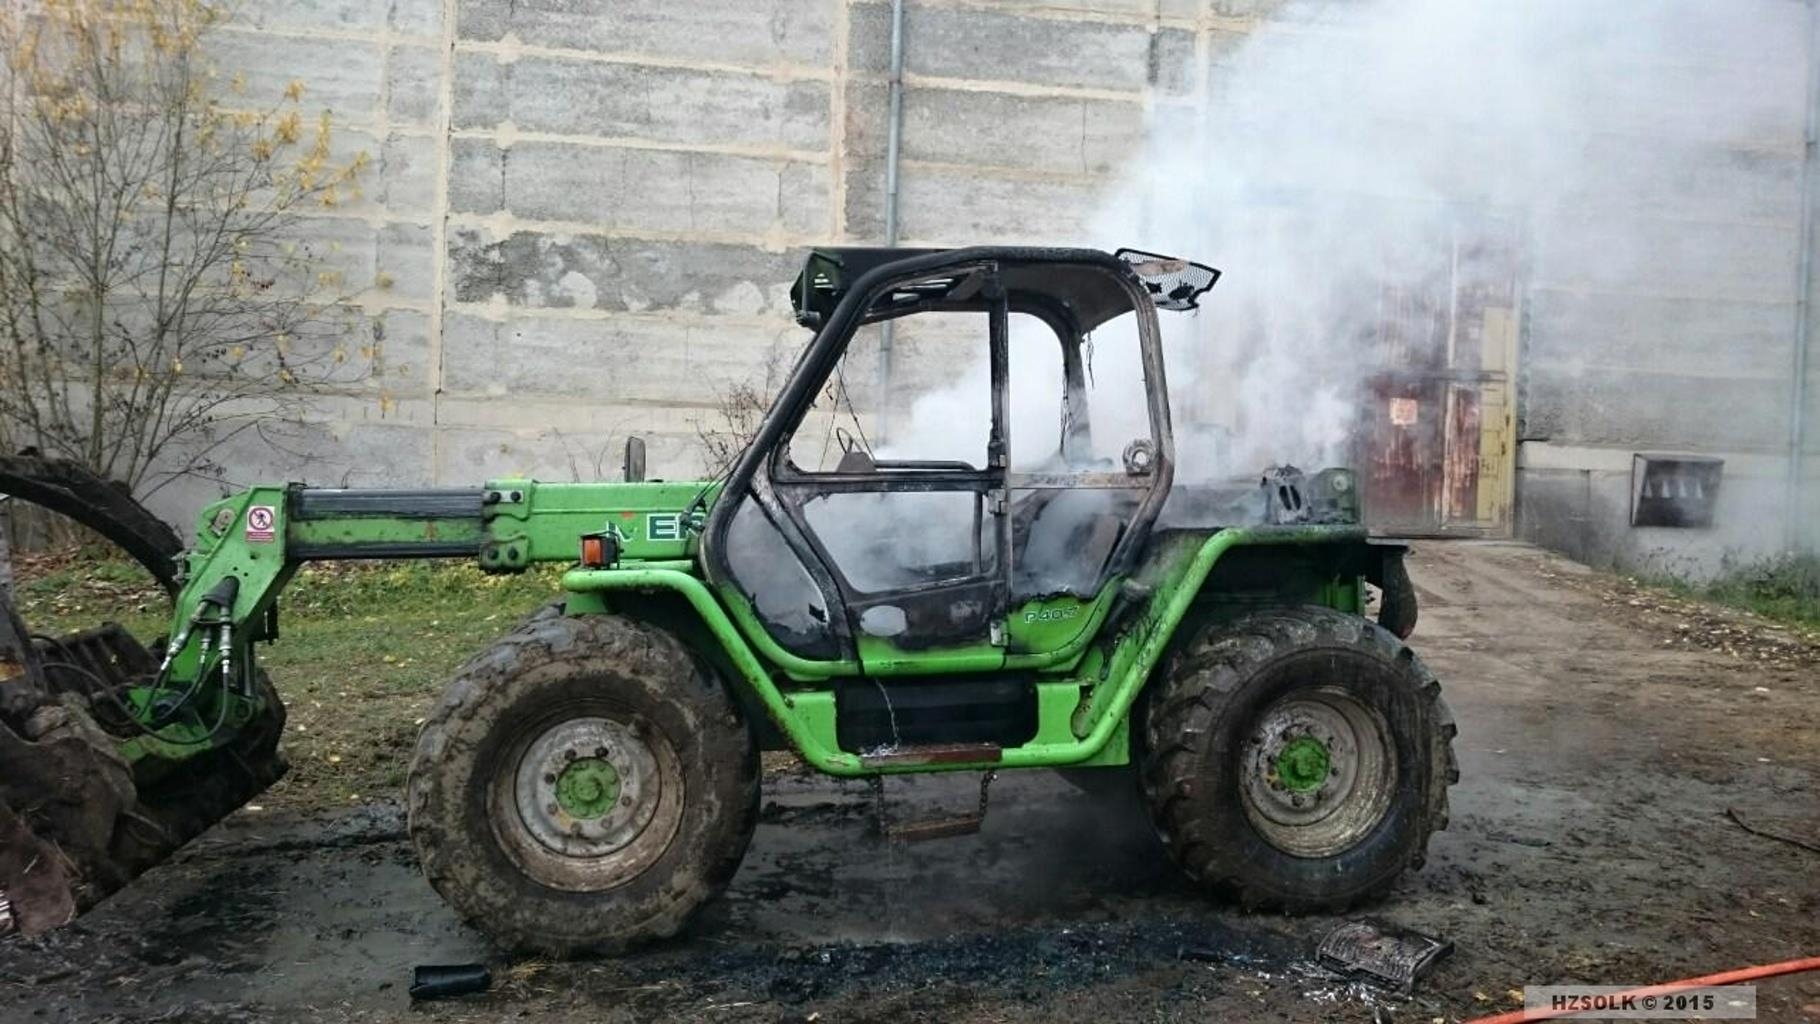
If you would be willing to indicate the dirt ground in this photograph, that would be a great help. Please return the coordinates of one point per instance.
(1604, 736)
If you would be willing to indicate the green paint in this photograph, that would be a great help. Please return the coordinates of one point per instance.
(547, 521)
(1117, 750)
(1087, 678)
(187, 736)
(1096, 705)
(1302, 764)
(739, 610)
(1058, 627)
(881, 657)
(814, 709)
(587, 788)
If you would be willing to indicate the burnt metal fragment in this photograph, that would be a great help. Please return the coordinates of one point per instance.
(1381, 954)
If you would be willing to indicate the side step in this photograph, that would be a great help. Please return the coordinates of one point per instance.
(934, 753)
(930, 828)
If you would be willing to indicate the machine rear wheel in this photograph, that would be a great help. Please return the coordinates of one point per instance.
(584, 786)
(1299, 758)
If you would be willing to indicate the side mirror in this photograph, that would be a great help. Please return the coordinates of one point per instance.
(635, 459)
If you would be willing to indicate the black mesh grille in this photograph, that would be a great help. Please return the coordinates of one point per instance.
(1173, 284)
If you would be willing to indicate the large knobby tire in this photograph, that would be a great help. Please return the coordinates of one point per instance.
(1297, 759)
(584, 786)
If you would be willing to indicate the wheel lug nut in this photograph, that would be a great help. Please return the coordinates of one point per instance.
(549, 777)
(600, 752)
(553, 809)
(568, 755)
(1295, 801)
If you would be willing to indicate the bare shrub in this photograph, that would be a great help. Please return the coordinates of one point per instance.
(159, 293)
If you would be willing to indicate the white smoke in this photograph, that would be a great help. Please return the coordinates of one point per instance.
(1341, 150)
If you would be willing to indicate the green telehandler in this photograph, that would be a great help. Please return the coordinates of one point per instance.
(592, 778)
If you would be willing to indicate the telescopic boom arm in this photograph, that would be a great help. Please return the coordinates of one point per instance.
(249, 545)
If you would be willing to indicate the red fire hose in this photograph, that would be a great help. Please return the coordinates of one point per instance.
(1811, 963)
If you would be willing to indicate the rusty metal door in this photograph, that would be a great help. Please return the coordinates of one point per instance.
(1435, 441)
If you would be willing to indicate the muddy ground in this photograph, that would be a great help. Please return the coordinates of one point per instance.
(1604, 735)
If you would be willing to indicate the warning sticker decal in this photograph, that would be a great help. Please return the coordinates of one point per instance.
(259, 520)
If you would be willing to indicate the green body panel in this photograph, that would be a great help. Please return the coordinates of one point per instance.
(796, 667)
(881, 657)
(1043, 634)
(533, 521)
(225, 546)
(1089, 657)
(1049, 631)
(1079, 712)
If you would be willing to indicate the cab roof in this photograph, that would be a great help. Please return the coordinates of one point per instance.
(1083, 286)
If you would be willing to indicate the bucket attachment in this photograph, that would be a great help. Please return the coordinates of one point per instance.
(87, 802)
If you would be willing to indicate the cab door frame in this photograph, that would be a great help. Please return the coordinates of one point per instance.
(962, 610)
(763, 473)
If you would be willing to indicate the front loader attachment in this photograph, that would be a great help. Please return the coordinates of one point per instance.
(89, 798)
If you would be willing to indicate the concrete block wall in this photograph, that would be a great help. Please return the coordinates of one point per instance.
(1679, 335)
(630, 185)
(583, 216)
(376, 69)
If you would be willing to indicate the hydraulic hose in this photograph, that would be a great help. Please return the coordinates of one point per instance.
(1743, 974)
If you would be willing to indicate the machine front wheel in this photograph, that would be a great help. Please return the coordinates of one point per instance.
(584, 786)
(1298, 758)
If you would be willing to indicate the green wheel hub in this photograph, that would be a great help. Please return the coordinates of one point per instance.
(1318, 771)
(592, 802)
(1303, 764)
(588, 788)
